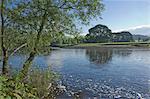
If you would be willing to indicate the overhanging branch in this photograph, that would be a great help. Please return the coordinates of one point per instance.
(23, 45)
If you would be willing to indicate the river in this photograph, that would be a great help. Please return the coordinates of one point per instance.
(99, 73)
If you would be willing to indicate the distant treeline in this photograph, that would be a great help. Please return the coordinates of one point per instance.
(98, 34)
(101, 33)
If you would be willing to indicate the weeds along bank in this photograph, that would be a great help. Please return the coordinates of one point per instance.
(39, 84)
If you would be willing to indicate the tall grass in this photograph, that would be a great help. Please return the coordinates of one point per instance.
(40, 84)
(44, 80)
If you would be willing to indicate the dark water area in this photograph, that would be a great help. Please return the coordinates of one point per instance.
(98, 73)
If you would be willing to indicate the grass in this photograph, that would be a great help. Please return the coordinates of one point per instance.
(125, 43)
(109, 44)
(133, 44)
(44, 81)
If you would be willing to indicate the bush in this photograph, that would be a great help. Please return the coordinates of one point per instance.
(45, 82)
(40, 84)
(12, 89)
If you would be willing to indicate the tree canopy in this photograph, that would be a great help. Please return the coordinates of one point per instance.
(101, 33)
(123, 36)
(34, 23)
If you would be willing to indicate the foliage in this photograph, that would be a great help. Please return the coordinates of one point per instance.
(40, 83)
(55, 18)
(123, 36)
(33, 23)
(11, 10)
(10, 89)
(67, 39)
(44, 80)
(99, 33)
(44, 18)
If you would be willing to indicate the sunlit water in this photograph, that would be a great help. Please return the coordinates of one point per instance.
(103, 73)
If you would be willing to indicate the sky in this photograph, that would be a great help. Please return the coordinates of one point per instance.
(123, 15)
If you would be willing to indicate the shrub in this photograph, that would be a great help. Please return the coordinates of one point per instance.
(12, 89)
(45, 82)
(40, 84)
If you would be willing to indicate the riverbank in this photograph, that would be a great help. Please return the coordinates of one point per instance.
(112, 44)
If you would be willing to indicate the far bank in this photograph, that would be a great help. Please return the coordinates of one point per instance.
(111, 44)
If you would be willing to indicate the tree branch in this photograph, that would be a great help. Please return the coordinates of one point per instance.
(18, 48)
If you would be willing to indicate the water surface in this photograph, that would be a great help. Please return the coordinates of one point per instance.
(106, 73)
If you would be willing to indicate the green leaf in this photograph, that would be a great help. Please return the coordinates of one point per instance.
(17, 96)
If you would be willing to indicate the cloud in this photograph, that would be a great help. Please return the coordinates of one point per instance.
(141, 30)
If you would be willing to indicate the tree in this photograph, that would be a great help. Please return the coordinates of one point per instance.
(123, 36)
(45, 17)
(11, 37)
(99, 33)
(4, 51)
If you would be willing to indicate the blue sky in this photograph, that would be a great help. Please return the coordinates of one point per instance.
(123, 15)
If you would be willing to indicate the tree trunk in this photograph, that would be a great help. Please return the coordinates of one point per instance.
(28, 62)
(5, 66)
(4, 50)
(26, 65)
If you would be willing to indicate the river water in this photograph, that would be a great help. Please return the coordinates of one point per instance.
(99, 73)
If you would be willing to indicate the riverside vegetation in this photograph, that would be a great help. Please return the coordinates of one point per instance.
(32, 25)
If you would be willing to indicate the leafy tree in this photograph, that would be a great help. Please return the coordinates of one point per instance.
(34, 21)
(123, 36)
(57, 38)
(99, 33)
(53, 16)
(38, 19)
(8, 45)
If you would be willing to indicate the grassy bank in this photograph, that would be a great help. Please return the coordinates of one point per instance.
(113, 44)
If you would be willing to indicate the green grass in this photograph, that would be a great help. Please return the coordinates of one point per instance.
(124, 43)
(111, 44)
(137, 44)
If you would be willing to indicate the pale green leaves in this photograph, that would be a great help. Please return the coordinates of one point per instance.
(26, 17)
(11, 89)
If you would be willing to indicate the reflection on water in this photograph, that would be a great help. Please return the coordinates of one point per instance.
(104, 55)
(124, 72)
(123, 52)
(99, 56)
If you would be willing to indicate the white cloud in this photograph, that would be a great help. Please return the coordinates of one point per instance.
(142, 30)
